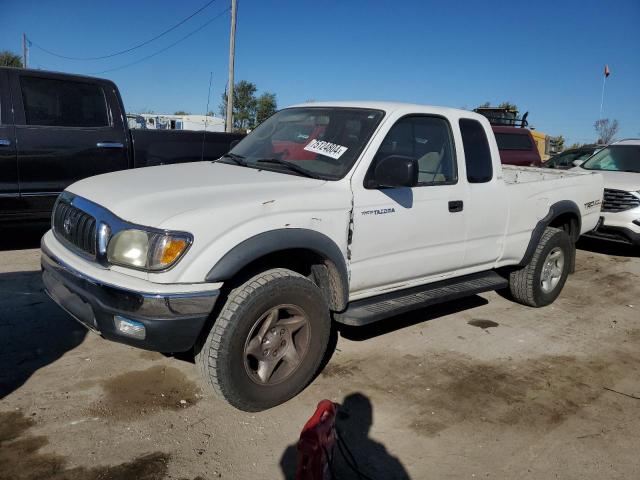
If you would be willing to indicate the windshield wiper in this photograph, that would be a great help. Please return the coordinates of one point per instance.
(291, 166)
(239, 159)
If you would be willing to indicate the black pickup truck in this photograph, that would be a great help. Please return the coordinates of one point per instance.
(57, 128)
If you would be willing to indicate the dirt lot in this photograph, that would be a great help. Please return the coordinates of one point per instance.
(480, 388)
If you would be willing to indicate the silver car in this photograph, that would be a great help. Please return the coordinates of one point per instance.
(619, 164)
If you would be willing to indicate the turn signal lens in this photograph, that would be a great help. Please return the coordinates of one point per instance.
(172, 250)
(166, 250)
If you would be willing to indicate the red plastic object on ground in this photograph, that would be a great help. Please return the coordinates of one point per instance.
(316, 442)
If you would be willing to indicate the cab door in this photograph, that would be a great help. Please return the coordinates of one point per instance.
(9, 193)
(488, 206)
(405, 236)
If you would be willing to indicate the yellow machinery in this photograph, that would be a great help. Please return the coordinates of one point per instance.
(542, 142)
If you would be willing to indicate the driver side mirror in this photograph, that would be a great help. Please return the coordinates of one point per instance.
(233, 143)
(394, 171)
(577, 163)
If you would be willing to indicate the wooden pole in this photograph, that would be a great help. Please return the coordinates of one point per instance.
(232, 49)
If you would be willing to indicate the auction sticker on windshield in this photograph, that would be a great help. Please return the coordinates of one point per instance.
(326, 148)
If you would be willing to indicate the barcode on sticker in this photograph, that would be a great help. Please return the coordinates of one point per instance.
(326, 148)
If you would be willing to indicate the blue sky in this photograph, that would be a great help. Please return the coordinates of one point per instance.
(546, 56)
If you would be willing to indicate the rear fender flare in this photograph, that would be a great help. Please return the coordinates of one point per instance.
(557, 209)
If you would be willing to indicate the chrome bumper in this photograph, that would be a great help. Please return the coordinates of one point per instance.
(172, 322)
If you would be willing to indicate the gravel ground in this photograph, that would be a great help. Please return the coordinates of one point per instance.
(480, 388)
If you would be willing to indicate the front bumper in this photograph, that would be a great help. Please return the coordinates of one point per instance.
(623, 227)
(172, 322)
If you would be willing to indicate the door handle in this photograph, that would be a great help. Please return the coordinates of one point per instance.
(109, 145)
(4, 142)
(456, 206)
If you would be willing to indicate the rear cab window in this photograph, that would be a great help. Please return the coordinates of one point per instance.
(476, 151)
(62, 103)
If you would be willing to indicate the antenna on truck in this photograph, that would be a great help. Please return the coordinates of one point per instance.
(206, 117)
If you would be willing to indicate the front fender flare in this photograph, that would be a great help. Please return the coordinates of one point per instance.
(274, 241)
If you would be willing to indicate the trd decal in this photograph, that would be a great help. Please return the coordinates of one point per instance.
(380, 211)
(592, 203)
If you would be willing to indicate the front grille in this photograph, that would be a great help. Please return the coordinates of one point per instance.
(75, 227)
(619, 201)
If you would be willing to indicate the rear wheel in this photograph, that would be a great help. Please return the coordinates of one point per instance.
(540, 282)
(268, 341)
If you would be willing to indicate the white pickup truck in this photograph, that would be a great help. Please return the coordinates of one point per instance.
(347, 212)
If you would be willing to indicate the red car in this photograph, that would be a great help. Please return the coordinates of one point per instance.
(517, 146)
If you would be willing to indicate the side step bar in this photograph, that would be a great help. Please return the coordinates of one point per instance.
(368, 310)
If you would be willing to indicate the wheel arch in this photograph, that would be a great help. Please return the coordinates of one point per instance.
(564, 215)
(308, 252)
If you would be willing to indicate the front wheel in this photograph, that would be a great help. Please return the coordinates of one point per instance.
(540, 282)
(268, 341)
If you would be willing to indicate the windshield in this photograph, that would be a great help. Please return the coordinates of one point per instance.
(566, 159)
(322, 141)
(616, 158)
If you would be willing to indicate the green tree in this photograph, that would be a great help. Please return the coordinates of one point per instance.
(559, 142)
(10, 59)
(485, 105)
(244, 105)
(606, 129)
(266, 106)
(248, 110)
(508, 106)
(181, 112)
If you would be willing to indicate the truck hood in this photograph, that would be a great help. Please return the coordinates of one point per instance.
(150, 196)
(627, 181)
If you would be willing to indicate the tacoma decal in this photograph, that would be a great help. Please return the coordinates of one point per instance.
(379, 211)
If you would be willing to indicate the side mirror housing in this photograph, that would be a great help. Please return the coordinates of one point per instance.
(233, 143)
(577, 163)
(394, 171)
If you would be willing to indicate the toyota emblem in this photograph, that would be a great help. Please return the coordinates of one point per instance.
(66, 225)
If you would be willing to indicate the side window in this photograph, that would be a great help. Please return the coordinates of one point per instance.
(428, 140)
(476, 151)
(60, 103)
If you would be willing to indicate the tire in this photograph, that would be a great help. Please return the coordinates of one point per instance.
(530, 285)
(248, 355)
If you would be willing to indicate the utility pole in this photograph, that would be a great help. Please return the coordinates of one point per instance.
(25, 50)
(232, 54)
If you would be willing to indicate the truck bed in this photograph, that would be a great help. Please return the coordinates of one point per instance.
(532, 191)
(512, 174)
(163, 147)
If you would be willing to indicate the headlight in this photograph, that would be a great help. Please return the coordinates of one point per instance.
(147, 250)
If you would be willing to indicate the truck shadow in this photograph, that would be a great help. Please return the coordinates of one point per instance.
(409, 319)
(22, 237)
(356, 454)
(34, 332)
(605, 247)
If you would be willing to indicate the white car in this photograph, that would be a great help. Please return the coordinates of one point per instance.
(619, 165)
(348, 212)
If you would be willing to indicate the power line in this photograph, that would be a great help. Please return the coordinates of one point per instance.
(121, 52)
(163, 49)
